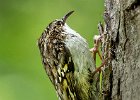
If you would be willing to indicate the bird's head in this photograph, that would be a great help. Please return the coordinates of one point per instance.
(59, 23)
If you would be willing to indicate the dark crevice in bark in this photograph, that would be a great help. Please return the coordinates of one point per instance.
(124, 27)
(118, 90)
(115, 43)
(113, 50)
(117, 37)
(117, 40)
(124, 46)
(124, 23)
(111, 85)
(133, 6)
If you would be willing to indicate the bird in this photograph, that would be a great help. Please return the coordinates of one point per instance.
(67, 61)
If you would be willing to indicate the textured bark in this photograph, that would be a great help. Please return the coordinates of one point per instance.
(122, 77)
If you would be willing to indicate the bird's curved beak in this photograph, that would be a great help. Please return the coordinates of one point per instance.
(66, 16)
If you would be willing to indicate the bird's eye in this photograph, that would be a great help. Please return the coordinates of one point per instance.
(59, 23)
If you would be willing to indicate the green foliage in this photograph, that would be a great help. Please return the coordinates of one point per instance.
(22, 76)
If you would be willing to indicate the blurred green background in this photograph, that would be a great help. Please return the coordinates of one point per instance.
(22, 76)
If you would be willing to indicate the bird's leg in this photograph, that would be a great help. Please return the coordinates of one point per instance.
(98, 69)
(95, 50)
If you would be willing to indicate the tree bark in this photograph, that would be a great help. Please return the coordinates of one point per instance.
(121, 77)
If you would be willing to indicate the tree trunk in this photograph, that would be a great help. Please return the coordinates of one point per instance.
(121, 79)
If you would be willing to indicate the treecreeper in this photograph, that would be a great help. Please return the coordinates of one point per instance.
(67, 61)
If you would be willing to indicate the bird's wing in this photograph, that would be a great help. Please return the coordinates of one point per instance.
(59, 66)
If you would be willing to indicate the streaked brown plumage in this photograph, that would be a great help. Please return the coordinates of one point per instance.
(67, 61)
